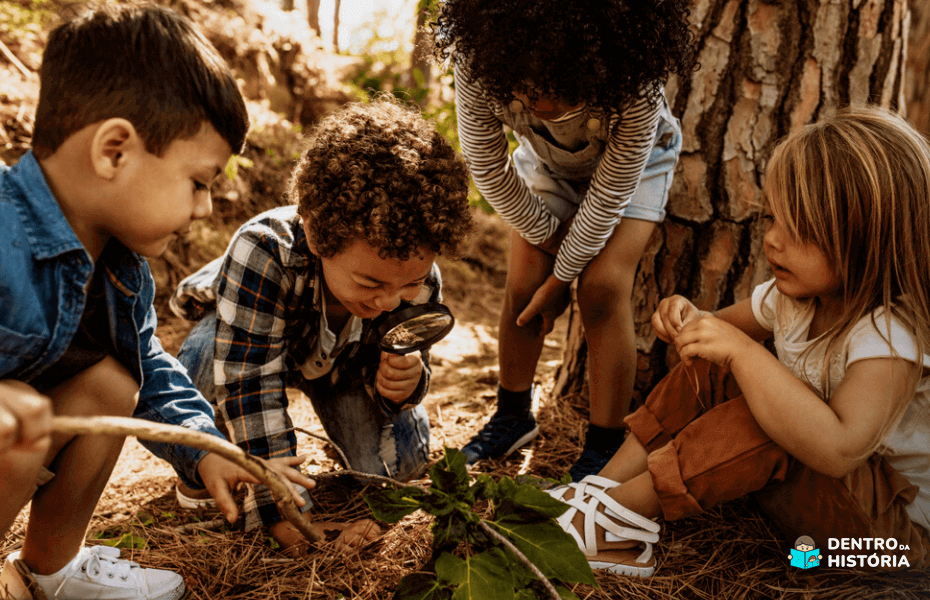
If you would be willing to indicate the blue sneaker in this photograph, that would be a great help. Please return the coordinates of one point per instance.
(500, 436)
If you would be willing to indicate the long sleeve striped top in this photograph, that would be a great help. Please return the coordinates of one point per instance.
(484, 144)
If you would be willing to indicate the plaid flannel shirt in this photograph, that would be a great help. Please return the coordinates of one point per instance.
(267, 293)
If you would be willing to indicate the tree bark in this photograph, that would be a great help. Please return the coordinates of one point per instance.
(916, 91)
(766, 68)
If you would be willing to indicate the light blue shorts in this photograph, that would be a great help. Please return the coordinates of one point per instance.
(562, 197)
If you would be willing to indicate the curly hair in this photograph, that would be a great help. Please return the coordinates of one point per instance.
(381, 173)
(604, 53)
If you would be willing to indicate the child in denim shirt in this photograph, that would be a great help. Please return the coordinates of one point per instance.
(137, 115)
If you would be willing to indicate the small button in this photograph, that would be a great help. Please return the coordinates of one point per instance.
(594, 124)
(516, 106)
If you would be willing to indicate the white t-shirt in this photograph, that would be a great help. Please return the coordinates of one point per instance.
(907, 446)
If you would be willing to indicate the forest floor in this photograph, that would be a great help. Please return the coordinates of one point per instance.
(731, 552)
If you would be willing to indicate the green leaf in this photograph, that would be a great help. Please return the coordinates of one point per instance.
(484, 487)
(530, 497)
(144, 518)
(128, 540)
(481, 577)
(548, 547)
(167, 514)
(565, 593)
(449, 475)
(421, 586)
(235, 161)
(391, 506)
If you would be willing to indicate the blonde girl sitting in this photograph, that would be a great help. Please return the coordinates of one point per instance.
(832, 435)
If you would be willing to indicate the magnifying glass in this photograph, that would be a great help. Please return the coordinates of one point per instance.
(413, 327)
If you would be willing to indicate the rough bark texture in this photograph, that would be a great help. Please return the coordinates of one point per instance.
(766, 68)
(916, 91)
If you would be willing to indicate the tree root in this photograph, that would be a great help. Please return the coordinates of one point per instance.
(173, 434)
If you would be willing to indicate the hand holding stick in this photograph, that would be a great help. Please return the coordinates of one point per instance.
(174, 434)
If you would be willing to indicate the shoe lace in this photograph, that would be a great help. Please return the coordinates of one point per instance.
(99, 561)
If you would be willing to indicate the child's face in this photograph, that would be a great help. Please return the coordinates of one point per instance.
(545, 107)
(368, 285)
(801, 269)
(167, 193)
(805, 547)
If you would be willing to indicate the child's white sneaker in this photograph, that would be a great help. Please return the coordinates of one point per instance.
(98, 572)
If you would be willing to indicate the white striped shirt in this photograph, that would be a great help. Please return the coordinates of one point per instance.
(485, 147)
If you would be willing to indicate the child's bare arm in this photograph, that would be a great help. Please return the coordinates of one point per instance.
(830, 438)
(25, 418)
(835, 437)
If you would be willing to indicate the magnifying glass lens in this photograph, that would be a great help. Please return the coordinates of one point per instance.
(418, 332)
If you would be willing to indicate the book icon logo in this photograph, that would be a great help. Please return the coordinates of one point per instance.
(805, 554)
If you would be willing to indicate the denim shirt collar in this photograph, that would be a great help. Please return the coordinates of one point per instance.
(48, 231)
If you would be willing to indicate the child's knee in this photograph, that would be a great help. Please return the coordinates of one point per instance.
(600, 298)
(106, 388)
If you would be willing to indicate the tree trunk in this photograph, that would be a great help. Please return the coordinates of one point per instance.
(287, 5)
(766, 68)
(918, 67)
(313, 16)
(336, 26)
(420, 66)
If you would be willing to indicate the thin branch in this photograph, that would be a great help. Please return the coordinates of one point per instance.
(342, 455)
(15, 61)
(500, 538)
(213, 525)
(173, 434)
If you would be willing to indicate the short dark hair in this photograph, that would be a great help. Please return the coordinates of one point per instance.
(382, 174)
(140, 62)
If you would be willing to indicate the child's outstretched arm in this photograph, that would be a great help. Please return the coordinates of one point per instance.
(831, 438)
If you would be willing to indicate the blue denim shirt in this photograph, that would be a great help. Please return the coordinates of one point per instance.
(44, 272)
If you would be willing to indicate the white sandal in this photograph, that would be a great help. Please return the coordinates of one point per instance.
(620, 524)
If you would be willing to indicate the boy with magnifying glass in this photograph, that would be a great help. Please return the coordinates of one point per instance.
(376, 195)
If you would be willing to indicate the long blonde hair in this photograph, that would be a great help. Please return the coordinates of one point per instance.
(857, 186)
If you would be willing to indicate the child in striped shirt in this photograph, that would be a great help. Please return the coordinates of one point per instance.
(580, 84)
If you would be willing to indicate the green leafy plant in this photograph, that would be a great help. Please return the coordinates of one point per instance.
(475, 557)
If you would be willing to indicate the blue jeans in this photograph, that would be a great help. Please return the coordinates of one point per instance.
(373, 442)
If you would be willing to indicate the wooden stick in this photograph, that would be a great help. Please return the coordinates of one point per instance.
(173, 434)
(15, 61)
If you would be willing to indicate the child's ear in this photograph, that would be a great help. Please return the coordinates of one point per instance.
(111, 146)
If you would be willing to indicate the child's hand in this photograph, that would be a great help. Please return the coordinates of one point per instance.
(352, 536)
(398, 376)
(25, 418)
(549, 302)
(712, 339)
(221, 476)
(672, 314)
